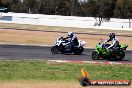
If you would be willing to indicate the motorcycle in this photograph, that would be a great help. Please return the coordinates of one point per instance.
(102, 53)
(61, 46)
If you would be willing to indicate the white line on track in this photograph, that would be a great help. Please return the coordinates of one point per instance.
(91, 62)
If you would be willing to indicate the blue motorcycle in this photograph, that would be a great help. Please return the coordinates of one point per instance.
(62, 45)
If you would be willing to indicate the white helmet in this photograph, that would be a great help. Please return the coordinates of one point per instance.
(71, 34)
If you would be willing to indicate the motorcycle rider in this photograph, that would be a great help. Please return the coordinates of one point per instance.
(115, 43)
(73, 41)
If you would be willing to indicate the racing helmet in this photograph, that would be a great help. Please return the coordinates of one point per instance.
(112, 35)
(70, 34)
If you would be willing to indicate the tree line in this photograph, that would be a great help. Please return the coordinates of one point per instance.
(94, 8)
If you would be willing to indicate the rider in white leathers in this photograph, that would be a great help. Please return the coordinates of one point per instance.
(72, 39)
(115, 43)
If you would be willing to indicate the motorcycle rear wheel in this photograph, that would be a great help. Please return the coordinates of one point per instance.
(78, 50)
(120, 55)
(117, 56)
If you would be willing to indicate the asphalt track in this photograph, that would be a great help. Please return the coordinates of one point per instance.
(24, 52)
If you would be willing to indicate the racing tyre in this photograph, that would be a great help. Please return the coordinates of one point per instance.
(120, 55)
(78, 50)
(95, 55)
(54, 50)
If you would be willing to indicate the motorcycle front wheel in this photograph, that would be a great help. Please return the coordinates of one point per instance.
(95, 55)
(55, 50)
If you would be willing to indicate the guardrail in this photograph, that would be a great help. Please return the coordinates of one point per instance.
(65, 21)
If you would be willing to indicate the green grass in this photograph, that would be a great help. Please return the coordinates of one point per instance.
(44, 71)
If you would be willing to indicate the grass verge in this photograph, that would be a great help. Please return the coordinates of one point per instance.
(47, 71)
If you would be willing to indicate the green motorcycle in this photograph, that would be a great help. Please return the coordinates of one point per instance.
(102, 53)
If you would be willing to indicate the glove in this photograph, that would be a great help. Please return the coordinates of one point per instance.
(108, 49)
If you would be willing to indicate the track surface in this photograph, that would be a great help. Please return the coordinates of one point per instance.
(21, 52)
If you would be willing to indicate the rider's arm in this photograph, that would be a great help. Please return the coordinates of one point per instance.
(113, 43)
(67, 37)
(74, 39)
(107, 41)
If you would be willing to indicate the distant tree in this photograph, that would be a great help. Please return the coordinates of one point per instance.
(63, 7)
(18, 7)
(74, 6)
(102, 10)
(5, 2)
(32, 6)
(123, 8)
(92, 8)
(47, 7)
